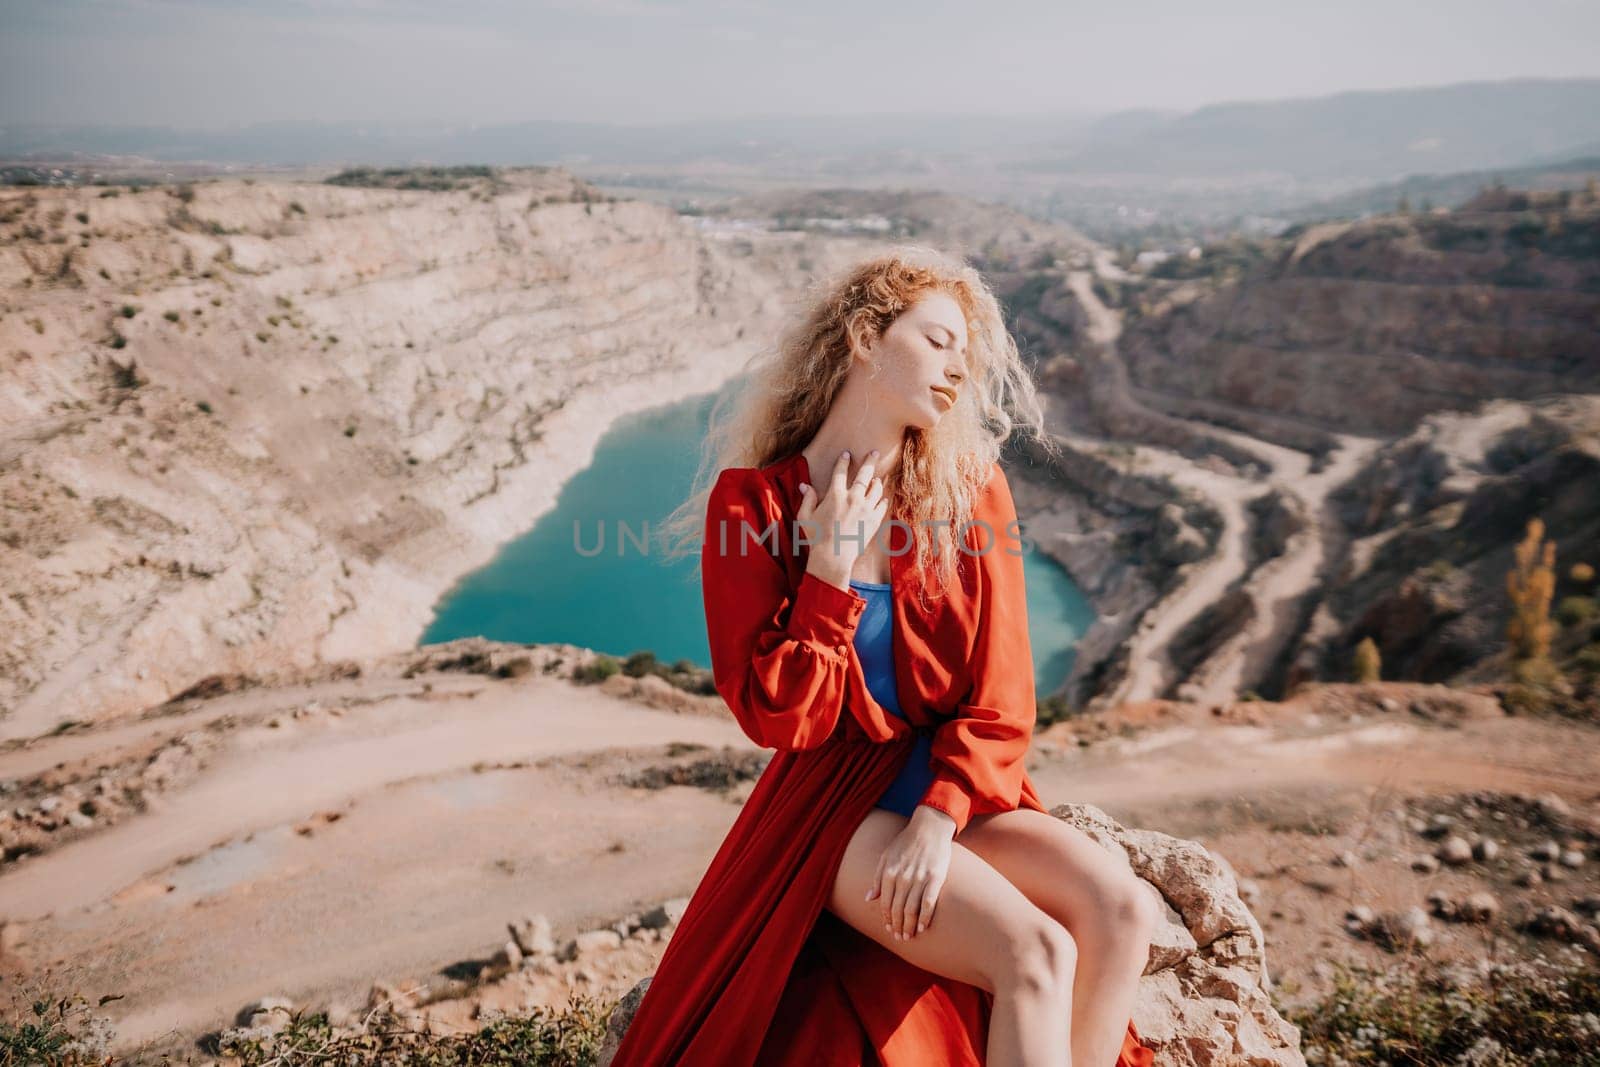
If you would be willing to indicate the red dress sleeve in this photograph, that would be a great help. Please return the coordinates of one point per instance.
(780, 655)
(978, 755)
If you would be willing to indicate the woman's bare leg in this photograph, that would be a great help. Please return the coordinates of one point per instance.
(984, 932)
(1094, 893)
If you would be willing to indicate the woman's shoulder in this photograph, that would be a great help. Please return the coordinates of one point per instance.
(751, 491)
(768, 483)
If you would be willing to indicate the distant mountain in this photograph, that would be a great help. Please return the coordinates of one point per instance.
(1347, 138)
(1380, 135)
(775, 141)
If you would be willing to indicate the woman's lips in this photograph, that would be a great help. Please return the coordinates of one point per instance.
(949, 396)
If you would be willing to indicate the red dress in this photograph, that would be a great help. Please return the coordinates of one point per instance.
(758, 971)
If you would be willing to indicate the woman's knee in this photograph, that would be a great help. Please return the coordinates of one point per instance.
(1038, 955)
(1132, 910)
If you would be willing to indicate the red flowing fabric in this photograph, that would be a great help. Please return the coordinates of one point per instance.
(758, 970)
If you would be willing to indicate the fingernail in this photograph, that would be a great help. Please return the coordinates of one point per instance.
(847, 453)
(921, 927)
(804, 486)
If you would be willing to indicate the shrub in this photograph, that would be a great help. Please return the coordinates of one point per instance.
(1576, 610)
(1530, 586)
(1419, 1011)
(601, 668)
(1367, 664)
(640, 664)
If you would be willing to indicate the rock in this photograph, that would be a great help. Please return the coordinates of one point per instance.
(1478, 908)
(1572, 857)
(1530, 876)
(1549, 850)
(1552, 807)
(1486, 849)
(271, 1015)
(664, 915)
(1346, 858)
(1425, 864)
(1203, 1000)
(532, 935)
(1439, 825)
(597, 941)
(1401, 930)
(1559, 923)
(1455, 851)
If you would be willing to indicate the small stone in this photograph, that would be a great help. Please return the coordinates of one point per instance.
(598, 940)
(1486, 848)
(532, 935)
(1455, 851)
(1347, 858)
(1553, 807)
(1478, 908)
(1547, 850)
(1572, 857)
(1425, 864)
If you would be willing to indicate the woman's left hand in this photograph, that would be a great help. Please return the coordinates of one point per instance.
(912, 870)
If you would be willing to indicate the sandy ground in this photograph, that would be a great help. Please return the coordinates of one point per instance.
(391, 832)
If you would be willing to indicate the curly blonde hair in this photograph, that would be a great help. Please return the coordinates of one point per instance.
(787, 391)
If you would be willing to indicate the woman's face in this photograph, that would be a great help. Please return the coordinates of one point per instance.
(918, 367)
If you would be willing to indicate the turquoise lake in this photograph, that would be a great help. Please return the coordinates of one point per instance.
(550, 584)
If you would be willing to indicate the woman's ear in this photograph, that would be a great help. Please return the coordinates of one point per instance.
(860, 337)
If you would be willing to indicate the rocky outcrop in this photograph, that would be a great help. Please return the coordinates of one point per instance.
(1204, 998)
(248, 426)
(1434, 517)
(1369, 326)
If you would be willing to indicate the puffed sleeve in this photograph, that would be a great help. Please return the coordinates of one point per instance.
(978, 755)
(780, 655)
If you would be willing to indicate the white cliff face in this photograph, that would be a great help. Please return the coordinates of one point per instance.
(328, 403)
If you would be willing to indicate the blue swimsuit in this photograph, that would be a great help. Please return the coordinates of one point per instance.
(874, 641)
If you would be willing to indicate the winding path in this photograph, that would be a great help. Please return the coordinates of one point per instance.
(1279, 586)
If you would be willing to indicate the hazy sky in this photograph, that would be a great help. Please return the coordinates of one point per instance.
(218, 62)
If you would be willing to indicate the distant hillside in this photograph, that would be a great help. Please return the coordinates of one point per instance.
(1366, 327)
(1379, 134)
(1363, 136)
(1422, 191)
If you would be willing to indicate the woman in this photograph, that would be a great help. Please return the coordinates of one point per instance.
(893, 891)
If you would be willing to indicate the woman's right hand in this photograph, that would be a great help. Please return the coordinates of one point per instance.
(843, 522)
